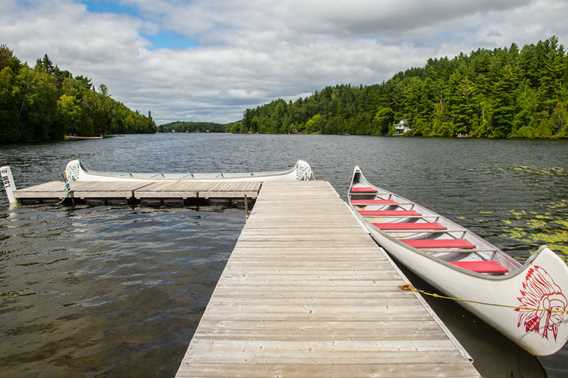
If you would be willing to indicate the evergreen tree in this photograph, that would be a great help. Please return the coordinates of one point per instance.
(45, 103)
(499, 93)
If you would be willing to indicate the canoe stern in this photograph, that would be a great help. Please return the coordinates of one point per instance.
(304, 171)
(542, 303)
(73, 171)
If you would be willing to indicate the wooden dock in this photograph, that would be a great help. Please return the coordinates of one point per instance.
(307, 293)
(142, 190)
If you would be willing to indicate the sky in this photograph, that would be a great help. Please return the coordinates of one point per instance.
(209, 60)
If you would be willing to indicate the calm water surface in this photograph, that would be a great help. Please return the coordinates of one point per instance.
(118, 291)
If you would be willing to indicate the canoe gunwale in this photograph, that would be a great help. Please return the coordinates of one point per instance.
(519, 269)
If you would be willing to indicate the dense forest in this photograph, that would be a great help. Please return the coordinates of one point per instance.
(192, 127)
(44, 103)
(500, 93)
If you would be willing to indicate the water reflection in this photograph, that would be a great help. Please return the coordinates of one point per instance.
(97, 290)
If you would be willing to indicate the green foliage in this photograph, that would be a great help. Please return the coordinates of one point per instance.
(500, 93)
(37, 95)
(9, 107)
(8, 59)
(234, 127)
(384, 118)
(314, 125)
(194, 127)
(70, 113)
(44, 103)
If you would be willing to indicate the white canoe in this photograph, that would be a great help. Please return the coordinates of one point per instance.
(463, 265)
(75, 171)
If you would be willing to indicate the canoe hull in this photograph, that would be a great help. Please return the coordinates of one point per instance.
(75, 171)
(532, 299)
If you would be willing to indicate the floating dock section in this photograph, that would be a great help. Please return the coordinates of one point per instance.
(138, 191)
(308, 293)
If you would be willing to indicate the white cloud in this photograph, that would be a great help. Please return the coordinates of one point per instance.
(249, 52)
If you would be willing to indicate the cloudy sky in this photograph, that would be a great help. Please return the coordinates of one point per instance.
(211, 59)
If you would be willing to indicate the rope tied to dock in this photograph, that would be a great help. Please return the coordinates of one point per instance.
(409, 287)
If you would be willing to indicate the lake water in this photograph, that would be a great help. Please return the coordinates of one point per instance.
(118, 291)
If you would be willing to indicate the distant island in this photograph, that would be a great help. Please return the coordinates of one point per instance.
(500, 93)
(193, 127)
(44, 103)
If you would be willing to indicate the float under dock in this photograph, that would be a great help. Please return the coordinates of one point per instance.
(308, 293)
(143, 190)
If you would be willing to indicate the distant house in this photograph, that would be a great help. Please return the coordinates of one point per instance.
(401, 127)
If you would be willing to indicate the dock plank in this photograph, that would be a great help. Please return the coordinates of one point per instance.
(106, 190)
(141, 189)
(291, 370)
(48, 190)
(307, 293)
(191, 189)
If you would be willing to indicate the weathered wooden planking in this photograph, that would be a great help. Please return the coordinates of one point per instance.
(104, 190)
(81, 190)
(141, 190)
(48, 190)
(307, 293)
(326, 370)
(186, 189)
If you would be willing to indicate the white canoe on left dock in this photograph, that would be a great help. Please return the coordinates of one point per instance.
(301, 171)
(82, 184)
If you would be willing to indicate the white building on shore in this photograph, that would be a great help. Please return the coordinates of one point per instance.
(401, 127)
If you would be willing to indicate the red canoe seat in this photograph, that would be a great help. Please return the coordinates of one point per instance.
(363, 189)
(481, 266)
(409, 226)
(388, 213)
(438, 243)
(373, 202)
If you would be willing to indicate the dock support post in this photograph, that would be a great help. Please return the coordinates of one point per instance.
(9, 185)
(246, 207)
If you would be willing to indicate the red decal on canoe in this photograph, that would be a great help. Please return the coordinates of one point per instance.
(542, 305)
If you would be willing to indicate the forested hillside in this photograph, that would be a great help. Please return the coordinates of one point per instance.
(44, 103)
(192, 127)
(501, 93)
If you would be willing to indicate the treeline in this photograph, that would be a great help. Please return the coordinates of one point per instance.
(192, 127)
(500, 93)
(44, 103)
